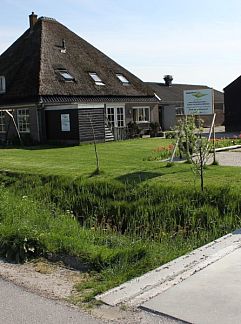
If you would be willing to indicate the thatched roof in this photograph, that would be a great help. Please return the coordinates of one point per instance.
(31, 66)
(174, 93)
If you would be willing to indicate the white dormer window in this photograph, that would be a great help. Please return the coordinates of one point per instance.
(122, 78)
(96, 78)
(2, 84)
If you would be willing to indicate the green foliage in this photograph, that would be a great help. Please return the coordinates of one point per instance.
(141, 211)
(187, 138)
(154, 129)
(133, 130)
(116, 158)
(170, 134)
(170, 164)
(225, 142)
(193, 145)
(160, 153)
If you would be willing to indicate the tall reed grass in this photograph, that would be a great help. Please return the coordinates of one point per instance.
(146, 211)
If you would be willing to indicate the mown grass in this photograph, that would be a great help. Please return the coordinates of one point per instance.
(126, 161)
(116, 158)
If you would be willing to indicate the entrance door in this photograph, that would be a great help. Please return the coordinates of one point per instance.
(116, 116)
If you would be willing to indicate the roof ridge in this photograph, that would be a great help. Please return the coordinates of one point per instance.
(47, 18)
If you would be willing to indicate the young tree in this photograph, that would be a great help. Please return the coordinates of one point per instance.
(193, 145)
(97, 170)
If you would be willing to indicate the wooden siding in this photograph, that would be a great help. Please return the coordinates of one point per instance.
(232, 103)
(53, 125)
(96, 116)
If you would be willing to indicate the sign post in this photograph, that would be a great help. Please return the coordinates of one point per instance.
(198, 102)
(201, 102)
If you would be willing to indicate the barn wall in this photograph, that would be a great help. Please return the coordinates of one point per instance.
(232, 104)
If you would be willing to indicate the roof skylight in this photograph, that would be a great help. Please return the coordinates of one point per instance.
(122, 78)
(96, 78)
(66, 75)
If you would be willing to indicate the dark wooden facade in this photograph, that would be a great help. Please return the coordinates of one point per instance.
(232, 103)
(85, 124)
(91, 124)
(53, 126)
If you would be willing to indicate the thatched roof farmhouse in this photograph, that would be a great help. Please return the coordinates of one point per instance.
(57, 86)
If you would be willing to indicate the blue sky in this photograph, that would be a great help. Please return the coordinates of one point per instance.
(198, 42)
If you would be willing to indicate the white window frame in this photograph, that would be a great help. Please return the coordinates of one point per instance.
(95, 77)
(23, 120)
(142, 108)
(115, 107)
(67, 77)
(122, 79)
(2, 84)
(2, 121)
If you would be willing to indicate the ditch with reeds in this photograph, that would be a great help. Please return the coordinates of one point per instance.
(120, 230)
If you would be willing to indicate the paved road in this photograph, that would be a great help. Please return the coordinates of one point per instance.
(18, 306)
(211, 296)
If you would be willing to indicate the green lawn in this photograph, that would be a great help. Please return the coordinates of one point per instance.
(124, 161)
(116, 158)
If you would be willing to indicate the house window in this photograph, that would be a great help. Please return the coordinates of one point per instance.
(66, 75)
(116, 116)
(122, 79)
(110, 114)
(2, 84)
(2, 121)
(65, 123)
(179, 110)
(23, 120)
(120, 117)
(96, 78)
(141, 114)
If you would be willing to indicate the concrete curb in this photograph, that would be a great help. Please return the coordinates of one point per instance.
(139, 290)
(227, 148)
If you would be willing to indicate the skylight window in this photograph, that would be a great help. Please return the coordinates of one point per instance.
(96, 78)
(66, 75)
(122, 78)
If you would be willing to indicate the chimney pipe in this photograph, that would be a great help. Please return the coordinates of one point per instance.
(32, 20)
(168, 80)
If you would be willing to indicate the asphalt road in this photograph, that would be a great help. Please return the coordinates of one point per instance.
(18, 306)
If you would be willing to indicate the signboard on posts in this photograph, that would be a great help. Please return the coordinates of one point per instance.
(198, 102)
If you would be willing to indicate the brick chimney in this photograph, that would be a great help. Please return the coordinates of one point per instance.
(168, 80)
(32, 20)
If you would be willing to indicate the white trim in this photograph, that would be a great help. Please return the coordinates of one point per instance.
(157, 96)
(75, 106)
(25, 123)
(4, 122)
(62, 107)
(100, 105)
(141, 107)
(142, 121)
(27, 106)
(115, 106)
